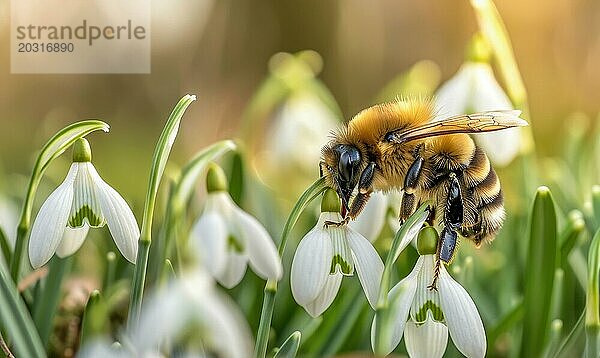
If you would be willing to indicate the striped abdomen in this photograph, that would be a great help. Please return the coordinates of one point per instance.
(483, 203)
(482, 186)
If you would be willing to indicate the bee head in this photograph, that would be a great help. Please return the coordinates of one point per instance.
(341, 166)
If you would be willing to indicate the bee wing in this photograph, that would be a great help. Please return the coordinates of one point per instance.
(465, 123)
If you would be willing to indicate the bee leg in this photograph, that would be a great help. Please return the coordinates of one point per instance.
(365, 188)
(411, 183)
(453, 220)
(445, 253)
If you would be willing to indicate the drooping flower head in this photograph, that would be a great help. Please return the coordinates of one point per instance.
(83, 200)
(424, 316)
(227, 238)
(475, 89)
(326, 254)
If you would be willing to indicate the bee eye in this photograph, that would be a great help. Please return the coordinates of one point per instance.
(349, 160)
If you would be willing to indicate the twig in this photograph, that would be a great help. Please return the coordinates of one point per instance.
(5, 348)
(32, 278)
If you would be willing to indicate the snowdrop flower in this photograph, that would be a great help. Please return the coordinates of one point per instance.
(191, 317)
(425, 316)
(194, 302)
(326, 254)
(227, 238)
(83, 200)
(371, 220)
(475, 89)
(300, 123)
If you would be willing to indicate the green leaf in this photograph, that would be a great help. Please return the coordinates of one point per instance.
(592, 305)
(45, 306)
(16, 322)
(539, 277)
(5, 246)
(289, 348)
(159, 161)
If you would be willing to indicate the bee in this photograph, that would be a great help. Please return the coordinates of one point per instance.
(400, 145)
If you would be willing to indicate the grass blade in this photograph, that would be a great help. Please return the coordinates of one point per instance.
(592, 305)
(16, 321)
(289, 348)
(159, 161)
(539, 277)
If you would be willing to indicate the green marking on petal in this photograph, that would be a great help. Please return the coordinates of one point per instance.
(345, 267)
(85, 212)
(438, 315)
(235, 245)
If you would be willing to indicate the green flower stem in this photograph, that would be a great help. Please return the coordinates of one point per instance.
(382, 323)
(95, 318)
(45, 306)
(109, 274)
(384, 288)
(266, 315)
(159, 161)
(592, 306)
(57, 145)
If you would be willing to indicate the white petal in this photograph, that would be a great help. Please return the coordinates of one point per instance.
(462, 317)
(325, 297)
(86, 206)
(452, 98)
(400, 299)
(426, 300)
(370, 222)
(258, 245)
(412, 233)
(192, 301)
(502, 146)
(72, 240)
(119, 218)
(428, 340)
(234, 269)
(51, 220)
(487, 95)
(341, 261)
(311, 265)
(368, 265)
(209, 239)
